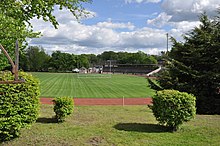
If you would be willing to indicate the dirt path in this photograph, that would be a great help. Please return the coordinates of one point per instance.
(104, 101)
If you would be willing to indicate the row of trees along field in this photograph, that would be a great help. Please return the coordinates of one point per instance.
(36, 59)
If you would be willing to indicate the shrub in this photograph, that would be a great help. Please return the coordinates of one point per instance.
(19, 105)
(63, 106)
(171, 108)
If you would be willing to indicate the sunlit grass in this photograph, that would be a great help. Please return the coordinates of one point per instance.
(116, 125)
(93, 86)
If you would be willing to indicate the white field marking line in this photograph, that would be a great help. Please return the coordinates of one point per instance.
(94, 75)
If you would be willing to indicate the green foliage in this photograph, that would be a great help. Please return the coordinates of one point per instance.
(61, 62)
(36, 59)
(128, 58)
(154, 85)
(12, 30)
(63, 106)
(194, 65)
(171, 108)
(15, 16)
(19, 104)
(25, 10)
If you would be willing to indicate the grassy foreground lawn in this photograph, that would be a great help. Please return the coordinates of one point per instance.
(116, 126)
(93, 86)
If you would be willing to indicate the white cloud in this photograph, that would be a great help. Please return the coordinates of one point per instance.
(180, 28)
(189, 10)
(64, 16)
(109, 24)
(74, 37)
(142, 1)
(161, 20)
(143, 38)
(154, 51)
(183, 16)
(185, 26)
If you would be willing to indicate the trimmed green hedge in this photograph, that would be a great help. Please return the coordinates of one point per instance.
(19, 104)
(63, 106)
(171, 108)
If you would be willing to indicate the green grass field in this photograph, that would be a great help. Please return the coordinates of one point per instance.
(116, 126)
(92, 85)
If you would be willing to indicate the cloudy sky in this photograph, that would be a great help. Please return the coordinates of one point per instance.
(122, 25)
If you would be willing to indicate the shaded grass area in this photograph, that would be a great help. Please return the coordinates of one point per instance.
(93, 86)
(116, 125)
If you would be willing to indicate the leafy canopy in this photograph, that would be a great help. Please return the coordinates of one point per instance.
(15, 16)
(194, 66)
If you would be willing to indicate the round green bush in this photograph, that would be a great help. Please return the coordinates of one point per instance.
(19, 104)
(171, 108)
(63, 106)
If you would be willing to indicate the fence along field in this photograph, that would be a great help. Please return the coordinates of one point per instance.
(90, 86)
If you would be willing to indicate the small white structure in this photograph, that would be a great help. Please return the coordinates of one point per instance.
(83, 70)
(76, 70)
(90, 70)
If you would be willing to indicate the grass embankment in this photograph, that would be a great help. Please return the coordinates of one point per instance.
(93, 86)
(116, 125)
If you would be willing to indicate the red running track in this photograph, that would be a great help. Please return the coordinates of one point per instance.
(104, 101)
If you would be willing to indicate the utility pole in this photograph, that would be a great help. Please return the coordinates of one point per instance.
(167, 41)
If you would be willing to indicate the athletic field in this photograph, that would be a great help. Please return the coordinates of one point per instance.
(92, 85)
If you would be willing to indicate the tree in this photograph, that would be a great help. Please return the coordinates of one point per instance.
(93, 59)
(83, 61)
(35, 59)
(194, 65)
(109, 55)
(62, 61)
(15, 16)
(11, 30)
(25, 10)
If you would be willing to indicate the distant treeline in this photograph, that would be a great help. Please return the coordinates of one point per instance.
(36, 59)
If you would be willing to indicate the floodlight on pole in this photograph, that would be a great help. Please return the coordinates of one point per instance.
(110, 65)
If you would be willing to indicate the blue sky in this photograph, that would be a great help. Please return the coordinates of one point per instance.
(122, 25)
(119, 11)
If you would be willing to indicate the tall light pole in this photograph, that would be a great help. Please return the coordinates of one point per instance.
(110, 64)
